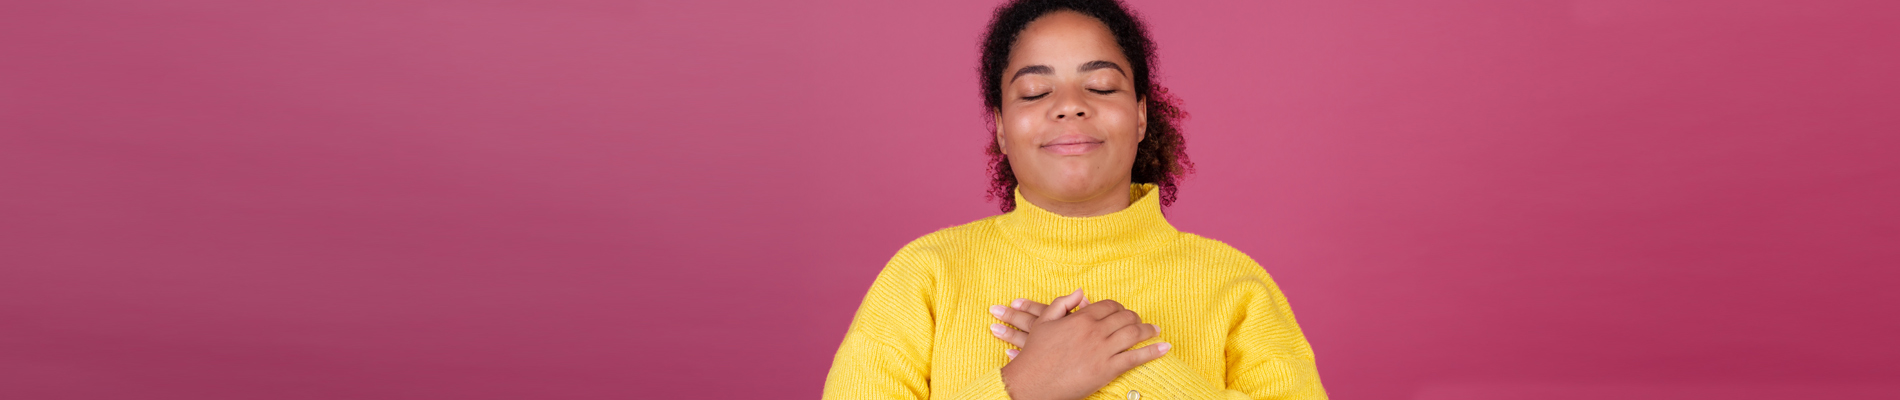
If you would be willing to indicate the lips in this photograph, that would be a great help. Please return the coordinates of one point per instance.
(1072, 144)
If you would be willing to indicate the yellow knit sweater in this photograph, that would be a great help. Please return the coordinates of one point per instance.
(923, 329)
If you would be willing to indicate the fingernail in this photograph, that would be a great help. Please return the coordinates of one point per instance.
(1157, 328)
(996, 311)
(1018, 304)
(998, 329)
(1010, 352)
(1164, 346)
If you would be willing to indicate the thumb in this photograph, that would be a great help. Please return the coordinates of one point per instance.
(1061, 305)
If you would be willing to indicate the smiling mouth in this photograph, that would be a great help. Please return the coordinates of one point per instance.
(1068, 146)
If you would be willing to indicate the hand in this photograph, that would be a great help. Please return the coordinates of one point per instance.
(1021, 314)
(1069, 356)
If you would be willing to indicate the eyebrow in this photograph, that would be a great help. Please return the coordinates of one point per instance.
(1086, 67)
(1099, 64)
(1033, 69)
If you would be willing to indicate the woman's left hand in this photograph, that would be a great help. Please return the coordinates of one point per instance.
(1020, 314)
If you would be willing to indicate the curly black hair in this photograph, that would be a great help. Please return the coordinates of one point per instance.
(1161, 158)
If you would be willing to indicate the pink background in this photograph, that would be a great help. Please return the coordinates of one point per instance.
(1499, 199)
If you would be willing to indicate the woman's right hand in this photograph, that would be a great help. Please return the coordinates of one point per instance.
(1067, 357)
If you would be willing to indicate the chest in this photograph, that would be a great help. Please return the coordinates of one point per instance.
(1192, 314)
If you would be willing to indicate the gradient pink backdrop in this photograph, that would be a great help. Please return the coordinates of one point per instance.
(1500, 199)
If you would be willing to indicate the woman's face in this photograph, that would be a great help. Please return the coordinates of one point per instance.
(1069, 120)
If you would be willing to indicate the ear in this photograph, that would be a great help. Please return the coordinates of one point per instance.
(999, 132)
(1141, 120)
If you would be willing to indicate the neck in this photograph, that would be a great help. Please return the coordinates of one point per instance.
(1102, 202)
(1083, 241)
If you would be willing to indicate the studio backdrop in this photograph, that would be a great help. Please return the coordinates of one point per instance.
(580, 199)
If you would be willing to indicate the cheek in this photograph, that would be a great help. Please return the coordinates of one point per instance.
(1123, 121)
(1018, 130)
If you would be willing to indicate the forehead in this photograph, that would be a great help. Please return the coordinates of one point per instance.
(1065, 39)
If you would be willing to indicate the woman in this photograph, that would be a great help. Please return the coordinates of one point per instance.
(1085, 153)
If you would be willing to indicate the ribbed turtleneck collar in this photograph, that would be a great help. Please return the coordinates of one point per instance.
(1090, 240)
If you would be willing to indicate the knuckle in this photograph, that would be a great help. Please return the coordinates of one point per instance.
(1126, 334)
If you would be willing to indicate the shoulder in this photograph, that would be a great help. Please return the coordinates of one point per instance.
(1221, 261)
(950, 239)
(929, 253)
(1217, 254)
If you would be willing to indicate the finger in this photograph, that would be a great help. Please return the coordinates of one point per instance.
(1131, 335)
(1013, 317)
(1031, 307)
(1101, 309)
(1011, 353)
(1121, 318)
(1015, 337)
(1128, 360)
(1085, 301)
(1059, 307)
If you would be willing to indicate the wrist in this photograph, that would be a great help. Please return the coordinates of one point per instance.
(1013, 384)
(1010, 385)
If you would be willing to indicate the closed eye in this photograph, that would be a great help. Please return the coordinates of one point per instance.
(1110, 91)
(1044, 94)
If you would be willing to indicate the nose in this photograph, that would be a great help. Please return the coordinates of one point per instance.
(1070, 106)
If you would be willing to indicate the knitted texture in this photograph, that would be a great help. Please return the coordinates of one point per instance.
(923, 328)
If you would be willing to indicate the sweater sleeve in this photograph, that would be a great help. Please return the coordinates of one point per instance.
(1267, 357)
(886, 352)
